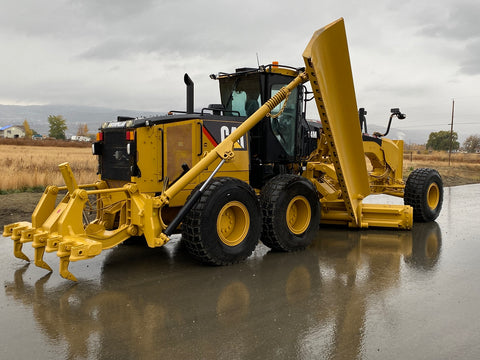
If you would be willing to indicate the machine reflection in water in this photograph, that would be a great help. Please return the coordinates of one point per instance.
(296, 305)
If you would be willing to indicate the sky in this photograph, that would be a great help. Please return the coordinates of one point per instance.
(418, 55)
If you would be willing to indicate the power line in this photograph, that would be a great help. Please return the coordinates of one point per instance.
(430, 125)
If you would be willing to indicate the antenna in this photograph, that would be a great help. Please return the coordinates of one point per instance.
(258, 62)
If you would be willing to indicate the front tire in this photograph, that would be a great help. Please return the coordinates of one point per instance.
(290, 209)
(224, 226)
(424, 193)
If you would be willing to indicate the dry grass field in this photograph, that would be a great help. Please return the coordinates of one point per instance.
(26, 167)
(463, 168)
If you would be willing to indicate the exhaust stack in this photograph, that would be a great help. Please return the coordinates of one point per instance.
(189, 84)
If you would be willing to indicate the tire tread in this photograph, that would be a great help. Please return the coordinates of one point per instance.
(191, 226)
(415, 192)
(269, 197)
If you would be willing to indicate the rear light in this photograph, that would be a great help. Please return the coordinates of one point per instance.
(100, 136)
(130, 135)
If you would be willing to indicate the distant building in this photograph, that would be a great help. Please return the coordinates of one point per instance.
(80, 138)
(12, 131)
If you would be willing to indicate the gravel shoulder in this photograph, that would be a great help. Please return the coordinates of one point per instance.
(17, 207)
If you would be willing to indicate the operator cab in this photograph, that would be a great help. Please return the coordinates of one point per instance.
(283, 138)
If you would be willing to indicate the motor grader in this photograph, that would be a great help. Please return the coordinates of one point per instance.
(251, 168)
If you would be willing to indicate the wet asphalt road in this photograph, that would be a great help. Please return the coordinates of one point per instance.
(369, 294)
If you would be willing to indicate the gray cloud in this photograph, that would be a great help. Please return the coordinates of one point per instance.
(111, 49)
(165, 43)
(459, 21)
(470, 65)
(458, 29)
(167, 28)
(112, 11)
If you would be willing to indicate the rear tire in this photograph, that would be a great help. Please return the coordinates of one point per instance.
(424, 193)
(290, 209)
(224, 226)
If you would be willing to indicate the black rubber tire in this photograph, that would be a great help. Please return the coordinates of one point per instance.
(424, 193)
(275, 198)
(200, 230)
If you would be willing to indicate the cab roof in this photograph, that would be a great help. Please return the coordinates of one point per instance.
(271, 68)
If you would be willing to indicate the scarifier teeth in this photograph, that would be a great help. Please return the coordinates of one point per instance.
(64, 252)
(15, 231)
(39, 244)
(39, 251)
(17, 250)
(64, 272)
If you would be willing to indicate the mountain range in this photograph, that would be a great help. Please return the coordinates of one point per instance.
(37, 116)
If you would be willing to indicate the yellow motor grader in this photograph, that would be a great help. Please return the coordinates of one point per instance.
(251, 168)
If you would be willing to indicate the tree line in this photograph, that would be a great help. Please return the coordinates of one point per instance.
(57, 127)
(446, 140)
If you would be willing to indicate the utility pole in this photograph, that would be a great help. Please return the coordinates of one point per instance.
(451, 132)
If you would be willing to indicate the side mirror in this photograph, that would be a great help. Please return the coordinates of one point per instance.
(398, 114)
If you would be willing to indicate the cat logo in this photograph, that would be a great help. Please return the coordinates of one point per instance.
(225, 131)
(216, 132)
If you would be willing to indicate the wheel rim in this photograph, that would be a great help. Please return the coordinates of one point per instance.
(433, 195)
(298, 215)
(233, 223)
